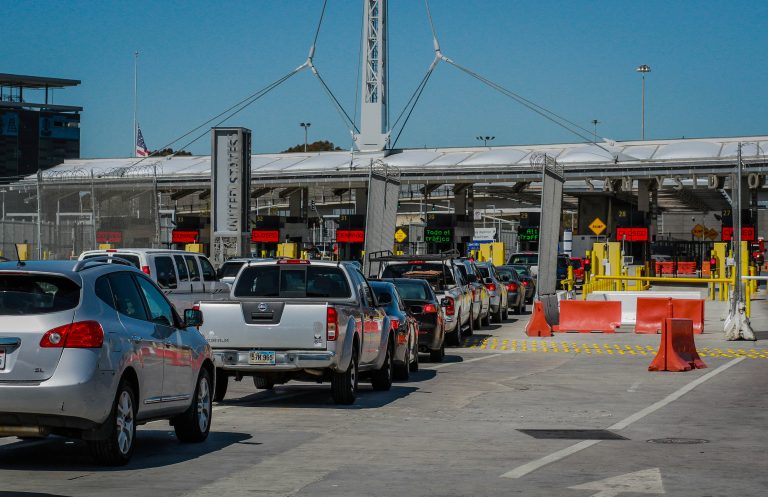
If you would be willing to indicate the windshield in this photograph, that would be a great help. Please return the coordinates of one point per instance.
(230, 269)
(527, 259)
(283, 280)
(36, 294)
(523, 270)
(507, 272)
(412, 290)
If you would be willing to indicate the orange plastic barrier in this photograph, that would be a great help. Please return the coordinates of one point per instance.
(537, 326)
(651, 313)
(677, 350)
(686, 268)
(663, 268)
(586, 316)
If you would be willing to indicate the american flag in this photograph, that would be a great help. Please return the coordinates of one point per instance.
(141, 147)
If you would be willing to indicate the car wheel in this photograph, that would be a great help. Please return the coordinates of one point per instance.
(195, 423)
(116, 449)
(498, 317)
(471, 327)
(344, 385)
(403, 371)
(521, 310)
(222, 382)
(455, 337)
(478, 323)
(263, 383)
(414, 366)
(487, 319)
(381, 379)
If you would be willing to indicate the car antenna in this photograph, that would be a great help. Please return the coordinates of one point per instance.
(19, 262)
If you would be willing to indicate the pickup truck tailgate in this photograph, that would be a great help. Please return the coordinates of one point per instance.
(265, 325)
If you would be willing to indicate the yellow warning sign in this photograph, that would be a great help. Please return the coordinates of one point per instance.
(597, 226)
(711, 234)
(698, 231)
(400, 235)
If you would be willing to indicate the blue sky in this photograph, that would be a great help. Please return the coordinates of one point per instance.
(576, 58)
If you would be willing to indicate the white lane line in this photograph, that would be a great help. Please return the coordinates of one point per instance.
(634, 386)
(462, 362)
(563, 453)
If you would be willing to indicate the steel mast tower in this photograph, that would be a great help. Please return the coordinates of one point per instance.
(374, 122)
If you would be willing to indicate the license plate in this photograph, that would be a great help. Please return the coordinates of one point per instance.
(261, 357)
(2, 358)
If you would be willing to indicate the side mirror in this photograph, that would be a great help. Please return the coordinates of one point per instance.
(444, 303)
(193, 317)
(384, 299)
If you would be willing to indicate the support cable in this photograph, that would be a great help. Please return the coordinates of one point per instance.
(415, 99)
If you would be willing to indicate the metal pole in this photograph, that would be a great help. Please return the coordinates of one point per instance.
(737, 296)
(93, 212)
(39, 217)
(157, 207)
(135, 97)
(643, 110)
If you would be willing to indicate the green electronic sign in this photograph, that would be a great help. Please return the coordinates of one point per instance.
(438, 235)
(528, 235)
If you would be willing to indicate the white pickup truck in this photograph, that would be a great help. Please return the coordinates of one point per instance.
(297, 319)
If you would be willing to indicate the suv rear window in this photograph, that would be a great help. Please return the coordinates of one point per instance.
(293, 281)
(413, 290)
(133, 259)
(403, 270)
(36, 294)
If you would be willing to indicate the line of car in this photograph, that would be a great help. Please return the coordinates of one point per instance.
(92, 348)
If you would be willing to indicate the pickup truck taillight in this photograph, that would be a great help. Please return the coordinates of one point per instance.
(512, 287)
(80, 335)
(429, 309)
(491, 287)
(332, 325)
(450, 310)
(395, 324)
(146, 270)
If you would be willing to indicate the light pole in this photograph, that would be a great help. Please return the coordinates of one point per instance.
(306, 127)
(485, 139)
(642, 69)
(595, 122)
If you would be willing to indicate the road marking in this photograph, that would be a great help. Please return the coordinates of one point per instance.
(634, 386)
(647, 481)
(462, 362)
(563, 453)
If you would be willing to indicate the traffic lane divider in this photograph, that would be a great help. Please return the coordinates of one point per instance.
(586, 316)
(677, 351)
(651, 313)
(538, 326)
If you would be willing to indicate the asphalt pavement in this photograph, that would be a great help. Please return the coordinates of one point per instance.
(570, 415)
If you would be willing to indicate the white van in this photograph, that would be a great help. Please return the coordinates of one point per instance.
(185, 277)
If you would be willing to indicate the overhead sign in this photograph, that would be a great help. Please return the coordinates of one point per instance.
(484, 234)
(400, 235)
(632, 234)
(438, 235)
(528, 235)
(698, 231)
(597, 226)
(747, 233)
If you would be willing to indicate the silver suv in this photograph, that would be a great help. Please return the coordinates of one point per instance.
(91, 349)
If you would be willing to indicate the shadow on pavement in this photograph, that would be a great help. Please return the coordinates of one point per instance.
(154, 448)
(319, 397)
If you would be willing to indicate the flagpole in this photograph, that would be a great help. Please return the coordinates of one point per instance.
(135, 97)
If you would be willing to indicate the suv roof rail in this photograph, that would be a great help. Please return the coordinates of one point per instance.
(99, 260)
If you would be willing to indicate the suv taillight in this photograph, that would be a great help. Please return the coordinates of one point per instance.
(450, 309)
(512, 287)
(80, 335)
(332, 325)
(491, 287)
(429, 309)
(145, 270)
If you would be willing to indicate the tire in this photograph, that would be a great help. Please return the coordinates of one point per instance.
(403, 371)
(516, 309)
(222, 382)
(263, 383)
(344, 385)
(414, 366)
(117, 448)
(471, 327)
(455, 337)
(478, 323)
(381, 379)
(437, 355)
(487, 320)
(498, 317)
(521, 310)
(194, 424)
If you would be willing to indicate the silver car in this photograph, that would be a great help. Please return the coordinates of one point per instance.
(91, 349)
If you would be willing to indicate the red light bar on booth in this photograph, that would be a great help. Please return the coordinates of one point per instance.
(632, 234)
(265, 236)
(184, 236)
(350, 236)
(747, 233)
(109, 236)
